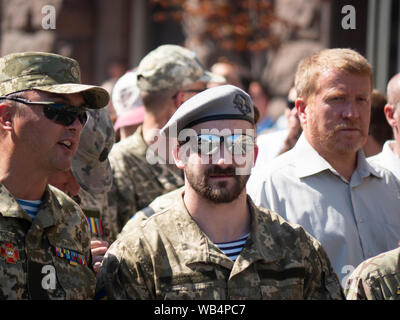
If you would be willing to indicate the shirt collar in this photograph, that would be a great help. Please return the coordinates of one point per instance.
(197, 247)
(45, 217)
(312, 163)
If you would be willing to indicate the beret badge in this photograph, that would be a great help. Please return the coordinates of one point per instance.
(241, 104)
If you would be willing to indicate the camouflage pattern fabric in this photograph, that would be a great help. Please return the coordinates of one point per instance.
(169, 257)
(90, 164)
(377, 278)
(171, 66)
(47, 72)
(159, 203)
(49, 257)
(136, 183)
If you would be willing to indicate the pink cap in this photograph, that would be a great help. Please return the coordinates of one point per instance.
(135, 116)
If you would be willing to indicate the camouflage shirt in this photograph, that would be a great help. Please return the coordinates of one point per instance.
(169, 257)
(136, 183)
(49, 257)
(377, 278)
(159, 203)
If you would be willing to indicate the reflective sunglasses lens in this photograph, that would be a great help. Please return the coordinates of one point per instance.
(208, 144)
(239, 144)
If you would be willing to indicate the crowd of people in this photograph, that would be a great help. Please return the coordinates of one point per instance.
(177, 184)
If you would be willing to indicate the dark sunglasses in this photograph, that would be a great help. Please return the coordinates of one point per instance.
(60, 113)
(209, 144)
(290, 104)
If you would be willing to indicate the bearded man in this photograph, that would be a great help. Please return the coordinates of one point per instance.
(212, 242)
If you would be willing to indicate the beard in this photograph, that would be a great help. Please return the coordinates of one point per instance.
(334, 139)
(221, 191)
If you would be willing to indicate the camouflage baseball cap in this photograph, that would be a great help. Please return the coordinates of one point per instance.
(172, 66)
(47, 72)
(90, 164)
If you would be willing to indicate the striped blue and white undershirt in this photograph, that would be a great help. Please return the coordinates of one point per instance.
(232, 249)
(30, 206)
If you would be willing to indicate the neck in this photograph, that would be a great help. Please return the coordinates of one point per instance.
(22, 181)
(151, 123)
(221, 222)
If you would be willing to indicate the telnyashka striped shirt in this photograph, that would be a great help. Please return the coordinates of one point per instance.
(30, 206)
(232, 249)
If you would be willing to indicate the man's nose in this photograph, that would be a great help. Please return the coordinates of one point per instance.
(351, 110)
(224, 157)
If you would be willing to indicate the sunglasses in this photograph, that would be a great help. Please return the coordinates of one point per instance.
(209, 144)
(290, 104)
(60, 113)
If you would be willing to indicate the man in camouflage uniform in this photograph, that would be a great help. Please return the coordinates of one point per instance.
(178, 252)
(44, 236)
(90, 177)
(166, 77)
(377, 278)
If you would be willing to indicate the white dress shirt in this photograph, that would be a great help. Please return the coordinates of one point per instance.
(353, 220)
(387, 158)
(269, 146)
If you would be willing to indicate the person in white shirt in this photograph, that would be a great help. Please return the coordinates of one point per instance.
(276, 142)
(389, 158)
(325, 183)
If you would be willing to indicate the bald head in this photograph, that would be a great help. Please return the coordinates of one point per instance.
(393, 90)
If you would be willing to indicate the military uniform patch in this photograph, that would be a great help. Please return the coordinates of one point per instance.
(73, 257)
(9, 253)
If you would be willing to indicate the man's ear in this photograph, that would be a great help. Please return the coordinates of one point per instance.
(179, 99)
(177, 154)
(6, 116)
(389, 110)
(301, 106)
(255, 154)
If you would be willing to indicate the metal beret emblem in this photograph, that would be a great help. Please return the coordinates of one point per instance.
(240, 103)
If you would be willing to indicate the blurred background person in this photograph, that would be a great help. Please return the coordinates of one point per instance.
(115, 70)
(379, 129)
(389, 158)
(259, 95)
(230, 71)
(275, 142)
(128, 105)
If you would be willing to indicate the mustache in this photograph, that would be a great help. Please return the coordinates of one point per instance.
(347, 125)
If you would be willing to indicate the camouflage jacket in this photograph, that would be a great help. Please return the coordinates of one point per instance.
(49, 257)
(377, 278)
(159, 203)
(136, 183)
(169, 257)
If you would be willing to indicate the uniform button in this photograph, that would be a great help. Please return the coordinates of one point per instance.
(361, 220)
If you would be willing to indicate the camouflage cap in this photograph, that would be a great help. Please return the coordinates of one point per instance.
(47, 72)
(217, 103)
(90, 164)
(170, 67)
